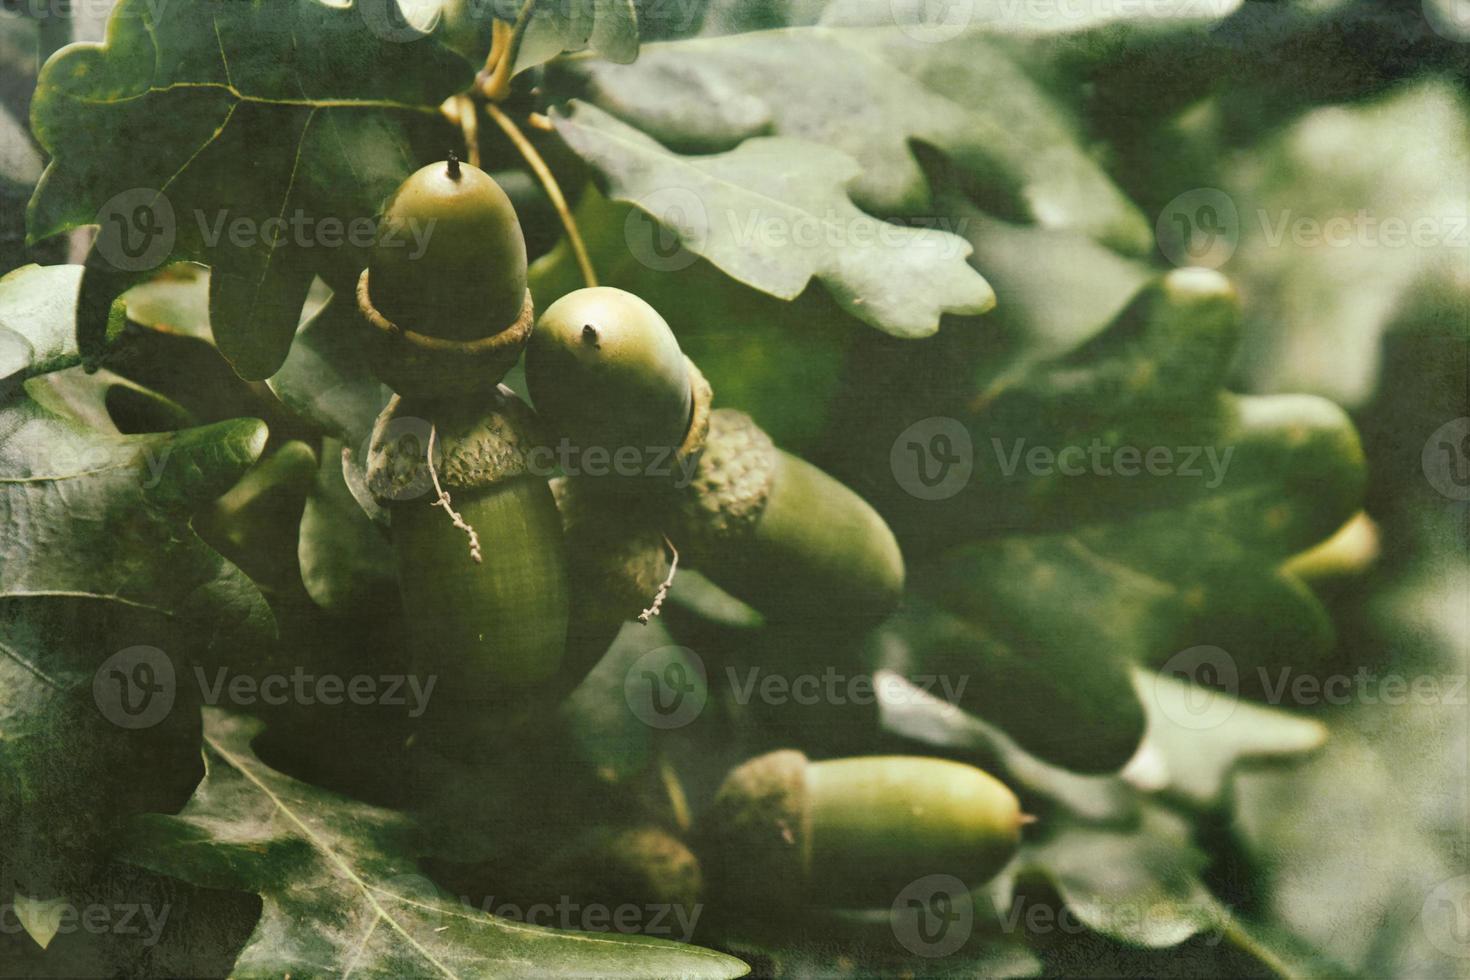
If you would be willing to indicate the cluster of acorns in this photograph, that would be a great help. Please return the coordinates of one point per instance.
(516, 576)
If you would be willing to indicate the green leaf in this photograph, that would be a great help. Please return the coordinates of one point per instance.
(1194, 764)
(37, 310)
(872, 94)
(327, 378)
(291, 112)
(174, 302)
(608, 27)
(106, 598)
(341, 889)
(774, 213)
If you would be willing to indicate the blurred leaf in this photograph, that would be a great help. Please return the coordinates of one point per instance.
(341, 887)
(1070, 578)
(1193, 762)
(607, 27)
(37, 313)
(176, 301)
(1342, 219)
(774, 213)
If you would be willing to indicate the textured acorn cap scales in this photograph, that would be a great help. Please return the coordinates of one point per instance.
(476, 445)
(732, 483)
(756, 839)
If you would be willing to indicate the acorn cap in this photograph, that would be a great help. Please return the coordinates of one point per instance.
(424, 366)
(475, 446)
(755, 840)
(643, 865)
(732, 484)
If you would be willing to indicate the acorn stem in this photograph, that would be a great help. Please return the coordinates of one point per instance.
(549, 183)
(442, 495)
(497, 84)
(663, 589)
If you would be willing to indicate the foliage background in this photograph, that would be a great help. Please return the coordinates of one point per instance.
(1294, 838)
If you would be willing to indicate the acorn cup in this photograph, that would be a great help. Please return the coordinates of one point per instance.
(481, 561)
(445, 288)
(853, 833)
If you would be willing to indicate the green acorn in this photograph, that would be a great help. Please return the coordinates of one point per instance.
(604, 369)
(853, 833)
(445, 288)
(482, 569)
(782, 535)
